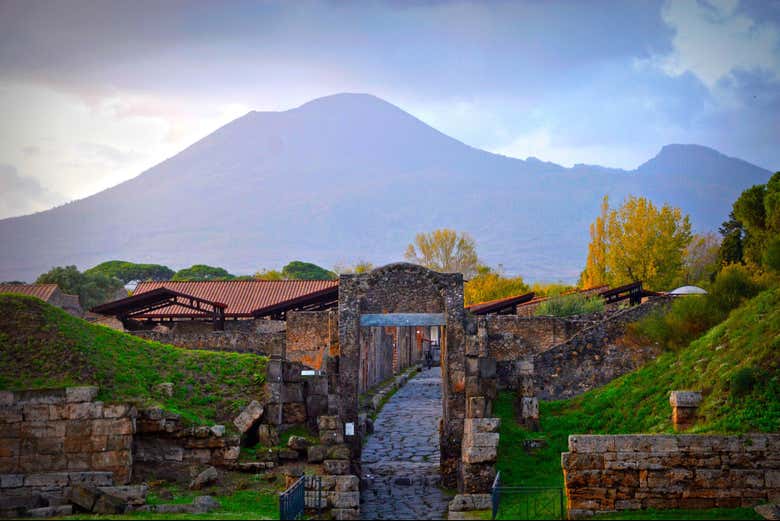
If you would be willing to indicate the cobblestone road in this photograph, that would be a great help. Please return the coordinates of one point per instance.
(401, 459)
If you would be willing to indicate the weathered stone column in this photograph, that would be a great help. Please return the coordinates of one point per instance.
(684, 407)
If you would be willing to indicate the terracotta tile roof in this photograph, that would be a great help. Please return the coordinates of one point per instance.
(242, 297)
(42, 291)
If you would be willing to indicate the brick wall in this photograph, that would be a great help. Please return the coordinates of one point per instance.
(263, 337)
(632, 472)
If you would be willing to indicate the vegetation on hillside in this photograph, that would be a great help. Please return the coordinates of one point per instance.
(42, 346)
(92, 288)
(637, 242)
(735, 365)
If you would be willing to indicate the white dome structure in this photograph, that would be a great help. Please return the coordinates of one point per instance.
(688, 290)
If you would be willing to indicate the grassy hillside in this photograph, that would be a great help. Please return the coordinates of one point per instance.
(41, 346)
(736, 365)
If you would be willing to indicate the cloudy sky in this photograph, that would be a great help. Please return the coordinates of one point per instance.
(93, 93)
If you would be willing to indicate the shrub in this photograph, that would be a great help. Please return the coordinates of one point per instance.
(733, 286)
(772, 255)
(567, 305)
(742, 382)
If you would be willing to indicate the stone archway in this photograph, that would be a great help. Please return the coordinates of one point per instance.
(407, 289)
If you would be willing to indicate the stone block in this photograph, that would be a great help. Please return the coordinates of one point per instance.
(472, 366)
(294, 413)
(298, 443)
(217, 430)
(338, 452)
(685, 398)
(331, 437)
(248, 417)
(487, 368)
(316, 385)
(292, 392)
(288, 454)
(107, 504)
(476, 407)
(11, 480)
(316, 405)
(346, 483)
(529, 408)
(35, 412)
(472, 455)
(345, 499)
(316, 453)
(84, 497)
(267, 435)
(336, 467)
(118, 411)
(47, 480)
(85, 410)
(6, 398)
(329, 423)
(291, 372)
(81, 394)
(470, 502)
(53, 511)
(474, 425)
(345, 514)
(481, 439)
(205, 478)
(94, 479)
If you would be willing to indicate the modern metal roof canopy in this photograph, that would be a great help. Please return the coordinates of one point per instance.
(142, 305)
(688, 290)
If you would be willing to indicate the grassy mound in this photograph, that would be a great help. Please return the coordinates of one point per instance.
(42, 346)
(736, 365)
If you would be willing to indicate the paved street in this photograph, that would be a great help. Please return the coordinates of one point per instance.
(401, 459)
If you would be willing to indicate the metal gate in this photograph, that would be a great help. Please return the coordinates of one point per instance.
(305, 493)
(514, 502)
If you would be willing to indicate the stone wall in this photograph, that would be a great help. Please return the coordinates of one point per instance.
(53, 439)
(310, 335)
(262, 337)
(63, 430)
(594, 356)
(406, 288)
(163, 448)
(513, 339)
(632, 472)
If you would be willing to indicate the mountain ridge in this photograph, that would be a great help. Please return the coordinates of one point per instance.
(352, 176)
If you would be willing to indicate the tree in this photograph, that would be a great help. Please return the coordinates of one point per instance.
(299, 270)
(595, 273)
(130, 271)
(359, 267)
(92, 288)
(702, 258)
(202, 272)
(269, 275)
(491, 284)
(445, 251)
(642, 243)
(731, 247)
(753, 225)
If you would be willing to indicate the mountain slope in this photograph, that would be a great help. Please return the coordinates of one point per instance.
(348, 177)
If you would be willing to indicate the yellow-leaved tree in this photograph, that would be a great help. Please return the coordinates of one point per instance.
(446, 251)
(490, 284)
(640, 242)
(595, 273)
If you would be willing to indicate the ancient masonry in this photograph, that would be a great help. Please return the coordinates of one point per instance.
(55, 439)
(630, 472)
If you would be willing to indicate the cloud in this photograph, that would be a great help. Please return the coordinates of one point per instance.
(22, 195)
(715, 38)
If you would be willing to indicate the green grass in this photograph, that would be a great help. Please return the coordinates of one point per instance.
(243, 504)
(705, 514)
(639, 401)
(42, 346)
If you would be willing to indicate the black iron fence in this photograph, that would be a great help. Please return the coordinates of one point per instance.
(305, 493)
(517, 502)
